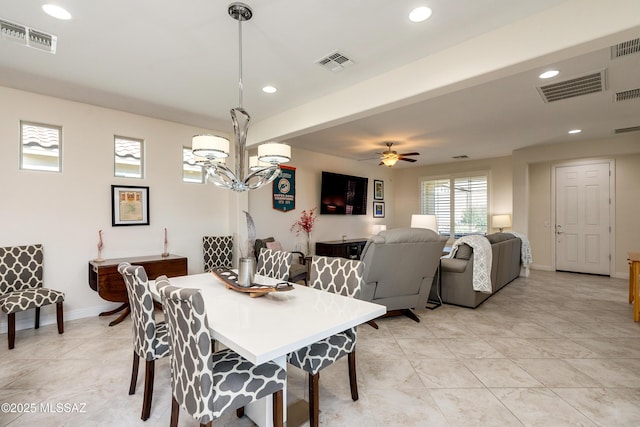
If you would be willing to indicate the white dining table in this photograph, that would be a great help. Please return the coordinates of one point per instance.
(267, 328)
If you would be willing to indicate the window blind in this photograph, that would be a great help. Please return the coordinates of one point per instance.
(436, 200)
(470, 205)
(461, 213)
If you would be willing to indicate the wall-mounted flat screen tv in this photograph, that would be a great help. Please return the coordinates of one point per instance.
(343, 194)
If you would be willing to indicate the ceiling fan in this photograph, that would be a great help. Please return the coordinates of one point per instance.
(390, 157)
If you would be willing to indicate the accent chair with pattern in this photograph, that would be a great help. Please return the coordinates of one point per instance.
(204, 383)
(217, 252)
(339, 276)
(21, 270)
(150, 338)
(274, 264)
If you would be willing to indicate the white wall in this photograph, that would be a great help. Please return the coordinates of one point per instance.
(309, 167)
(64, 211)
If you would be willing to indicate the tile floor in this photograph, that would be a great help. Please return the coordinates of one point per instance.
(555, 349)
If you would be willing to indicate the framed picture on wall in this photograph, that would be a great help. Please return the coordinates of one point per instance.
(129, 205)
(378, 209)
(378, 190)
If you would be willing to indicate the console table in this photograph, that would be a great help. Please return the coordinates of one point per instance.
(105, 279)
(350, 248)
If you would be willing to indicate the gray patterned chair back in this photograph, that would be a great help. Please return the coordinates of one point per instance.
(337, 275)
(341, 276)
(204, 383)
(20, 268)
(217, 251)
(191, 363)
(146, 342)
(274, 264)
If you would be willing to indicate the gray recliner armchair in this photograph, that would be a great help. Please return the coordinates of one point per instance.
(400, 265)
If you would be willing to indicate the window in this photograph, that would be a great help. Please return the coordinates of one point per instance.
(191, 172)
(40, 147)
(465, 212)
(128, 157)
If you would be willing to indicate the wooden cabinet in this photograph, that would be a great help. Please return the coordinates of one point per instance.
(351, 248)
(105, 279)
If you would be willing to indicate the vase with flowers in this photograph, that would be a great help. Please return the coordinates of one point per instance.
(305, 224)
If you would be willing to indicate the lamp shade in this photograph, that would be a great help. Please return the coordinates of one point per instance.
(501, 221)
(377, 228)
(424, 221)
(210, 146)
(255, 164)
(274, 152)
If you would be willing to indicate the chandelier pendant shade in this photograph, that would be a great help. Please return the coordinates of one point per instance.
(210, 146)
(211, 151)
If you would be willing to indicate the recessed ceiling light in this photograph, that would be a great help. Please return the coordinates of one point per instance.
(549, 74)
(420, 14)
(56, 11)
(269, 89)
(572, 131)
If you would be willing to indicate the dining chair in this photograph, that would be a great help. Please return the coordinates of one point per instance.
(217, 251)
(21, 269)
(275, 264)
(298, 269)
(339, 276)
(150, 338)
(204, 383)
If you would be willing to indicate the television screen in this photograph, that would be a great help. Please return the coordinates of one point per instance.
(343, 194)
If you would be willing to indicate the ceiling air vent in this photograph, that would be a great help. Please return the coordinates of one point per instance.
(590, 83)
(335, 61)
(626, 130)
(464, 156)
(28, 36)
(626, 48)
(626, 95)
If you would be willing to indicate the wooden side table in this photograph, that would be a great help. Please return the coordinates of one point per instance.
(105, 279)
(634, 271)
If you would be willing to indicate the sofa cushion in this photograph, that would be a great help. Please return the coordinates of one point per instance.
(276, 246)
(464, 252)
(499, 237)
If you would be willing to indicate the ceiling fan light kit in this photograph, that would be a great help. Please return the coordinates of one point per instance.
(391, 157)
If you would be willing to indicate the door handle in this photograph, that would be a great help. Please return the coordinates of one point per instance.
(558, 229)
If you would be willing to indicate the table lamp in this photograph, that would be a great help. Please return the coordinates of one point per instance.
(424, 221)
(501, 221)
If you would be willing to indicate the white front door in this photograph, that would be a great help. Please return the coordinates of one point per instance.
(582, 226)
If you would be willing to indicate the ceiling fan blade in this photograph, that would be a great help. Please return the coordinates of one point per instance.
(407, 160)
(409, 154)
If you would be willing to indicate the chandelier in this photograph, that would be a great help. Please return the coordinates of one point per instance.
(211, 151)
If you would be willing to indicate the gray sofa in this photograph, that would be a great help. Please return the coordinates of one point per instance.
(457, 273)
(399, 268)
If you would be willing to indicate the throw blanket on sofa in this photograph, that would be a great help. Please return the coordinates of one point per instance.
(481, 261)
(525, 251)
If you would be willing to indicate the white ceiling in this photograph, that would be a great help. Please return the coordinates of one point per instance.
(179, 61)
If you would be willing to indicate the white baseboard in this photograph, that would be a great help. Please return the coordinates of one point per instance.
(26, 321)
(617, 275)
(541, 267)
